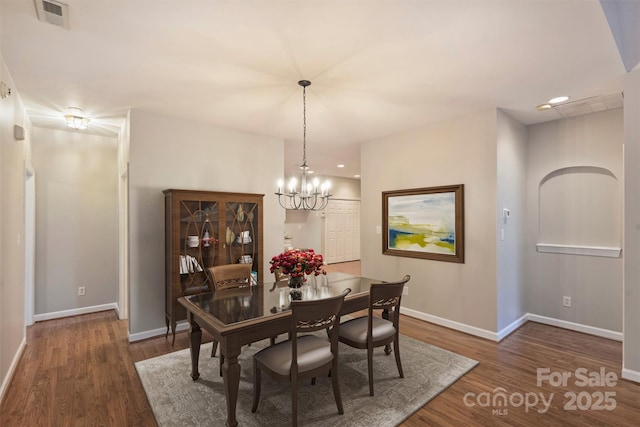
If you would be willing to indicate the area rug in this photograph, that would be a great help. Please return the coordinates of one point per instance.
(176, 400)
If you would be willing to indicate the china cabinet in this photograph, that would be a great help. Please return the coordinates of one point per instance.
(203, 229)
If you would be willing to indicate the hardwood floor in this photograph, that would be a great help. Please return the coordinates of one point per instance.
(79, 371)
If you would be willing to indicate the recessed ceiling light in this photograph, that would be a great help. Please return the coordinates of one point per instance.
(340, 166)
(543, 107)
(558, 99)
(310, 172)
(356, 176)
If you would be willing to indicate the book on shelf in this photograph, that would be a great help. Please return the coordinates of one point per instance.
(189, 264)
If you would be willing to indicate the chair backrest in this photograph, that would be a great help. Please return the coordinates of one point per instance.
(314, 315)
(229, 276)
(387, 296)
(279, 275)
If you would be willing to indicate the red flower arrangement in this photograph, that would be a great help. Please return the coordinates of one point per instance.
(297, 263)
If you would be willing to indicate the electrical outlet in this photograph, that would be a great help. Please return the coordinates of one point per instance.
(405, 290)
(566, 301)
(81, 290)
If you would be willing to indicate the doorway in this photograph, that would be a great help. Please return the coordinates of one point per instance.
(29, 244)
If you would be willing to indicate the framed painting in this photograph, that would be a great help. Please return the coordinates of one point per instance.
(424, 223)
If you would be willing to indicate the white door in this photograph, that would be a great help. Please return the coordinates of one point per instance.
(342, 231)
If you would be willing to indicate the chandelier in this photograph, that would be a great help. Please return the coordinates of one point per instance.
(312, 195)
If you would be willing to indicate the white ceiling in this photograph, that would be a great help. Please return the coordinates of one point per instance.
(377, 67)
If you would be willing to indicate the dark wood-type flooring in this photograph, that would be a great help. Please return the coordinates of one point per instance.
(79, 371)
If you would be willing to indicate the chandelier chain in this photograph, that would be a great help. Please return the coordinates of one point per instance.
(304, 125)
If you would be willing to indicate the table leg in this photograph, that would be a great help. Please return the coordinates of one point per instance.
(195, 338)
(231, 377)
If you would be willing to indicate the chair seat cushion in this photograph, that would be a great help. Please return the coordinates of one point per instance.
(313, 352)
(356, 329)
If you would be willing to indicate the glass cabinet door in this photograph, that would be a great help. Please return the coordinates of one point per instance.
(199, 239)
(241, 234)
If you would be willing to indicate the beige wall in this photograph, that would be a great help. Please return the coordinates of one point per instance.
(592, 142)
(458, 151)
(76, 219)
(511, 185)
(172, 153)
(14, 156)
(631, 251)
(501, 162)
(123, 221)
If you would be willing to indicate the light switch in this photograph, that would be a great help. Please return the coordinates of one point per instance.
(378, 229)
(505, 215)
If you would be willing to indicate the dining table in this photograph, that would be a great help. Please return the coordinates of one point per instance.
(240, 316)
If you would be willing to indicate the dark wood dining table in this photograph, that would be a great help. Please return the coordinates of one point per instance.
(241, 316)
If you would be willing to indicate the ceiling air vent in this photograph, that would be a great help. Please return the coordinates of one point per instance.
(590, 105)
(53, 12)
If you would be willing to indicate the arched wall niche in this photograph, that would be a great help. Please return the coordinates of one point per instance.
(580, 212)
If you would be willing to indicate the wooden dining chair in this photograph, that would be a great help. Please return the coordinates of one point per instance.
(306, 356)
(279, 275)
(369, 332)
(228, 276)
(281, 279)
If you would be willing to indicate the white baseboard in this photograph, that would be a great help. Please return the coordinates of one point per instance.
(578, 327)
(512, 327)
(74, 312)
(12, 369)
(451, 324)
(630, 375)
(181, 326)
(498, 336)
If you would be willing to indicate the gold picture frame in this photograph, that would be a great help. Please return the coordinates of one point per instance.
(424, 223)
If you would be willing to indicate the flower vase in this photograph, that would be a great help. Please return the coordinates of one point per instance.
(295, 283)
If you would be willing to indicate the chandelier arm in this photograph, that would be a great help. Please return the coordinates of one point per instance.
(295, 200)
(280, 201)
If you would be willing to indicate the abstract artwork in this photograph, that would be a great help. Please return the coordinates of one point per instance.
(424, 223)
